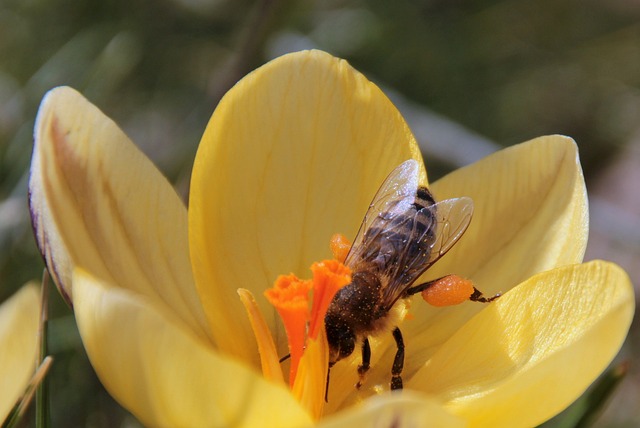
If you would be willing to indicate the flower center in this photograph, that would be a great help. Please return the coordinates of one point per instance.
(291, 295)
(302, 305)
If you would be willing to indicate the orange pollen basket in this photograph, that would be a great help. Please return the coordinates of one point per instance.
(290, 296)
(447, 291)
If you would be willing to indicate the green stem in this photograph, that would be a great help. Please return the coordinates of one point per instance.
(43, 417)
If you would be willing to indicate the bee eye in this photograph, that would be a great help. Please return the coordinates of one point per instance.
(347, 345)
(341, 338)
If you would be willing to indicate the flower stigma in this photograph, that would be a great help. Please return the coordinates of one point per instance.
(340, 247)
(290, 296)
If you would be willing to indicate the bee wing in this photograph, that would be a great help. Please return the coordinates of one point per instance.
(395, 196)
(434, 230)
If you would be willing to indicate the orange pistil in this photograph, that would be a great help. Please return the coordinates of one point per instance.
(329, 276)
(448, 291)
(290, 296)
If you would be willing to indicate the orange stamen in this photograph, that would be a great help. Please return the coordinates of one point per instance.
(340, 247)
(329, 276)
(290, 296)
(448, 291)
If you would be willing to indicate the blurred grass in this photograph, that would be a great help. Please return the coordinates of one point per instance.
(507, 70)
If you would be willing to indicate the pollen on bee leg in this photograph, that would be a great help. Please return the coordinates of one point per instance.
(340, 247)
(448, 291)
(266, 347)
(290, 296)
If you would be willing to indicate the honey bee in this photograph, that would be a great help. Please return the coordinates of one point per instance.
(403, 233)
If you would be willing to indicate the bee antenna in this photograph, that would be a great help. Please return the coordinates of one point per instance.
(326, 390)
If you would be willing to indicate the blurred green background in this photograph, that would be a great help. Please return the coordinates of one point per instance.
(469, 76)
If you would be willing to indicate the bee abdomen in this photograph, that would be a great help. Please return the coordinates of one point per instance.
(424, 198)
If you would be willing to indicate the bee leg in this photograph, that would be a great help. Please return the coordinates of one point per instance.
(398, 361)
(366, 362)
(477, 296)
(452, 280)
(421, 287)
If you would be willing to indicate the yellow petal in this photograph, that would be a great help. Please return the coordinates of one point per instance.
(18, 345)
(407, 409)
(271, 366)
(530, 215)
(293, 154)
(99, 203)
(163, 374)
(532, 352)
(310, 384)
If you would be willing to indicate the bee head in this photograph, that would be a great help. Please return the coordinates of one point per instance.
(341, 338)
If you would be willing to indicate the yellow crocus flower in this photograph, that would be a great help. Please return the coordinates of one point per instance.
(293, 154)
(19, 317)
